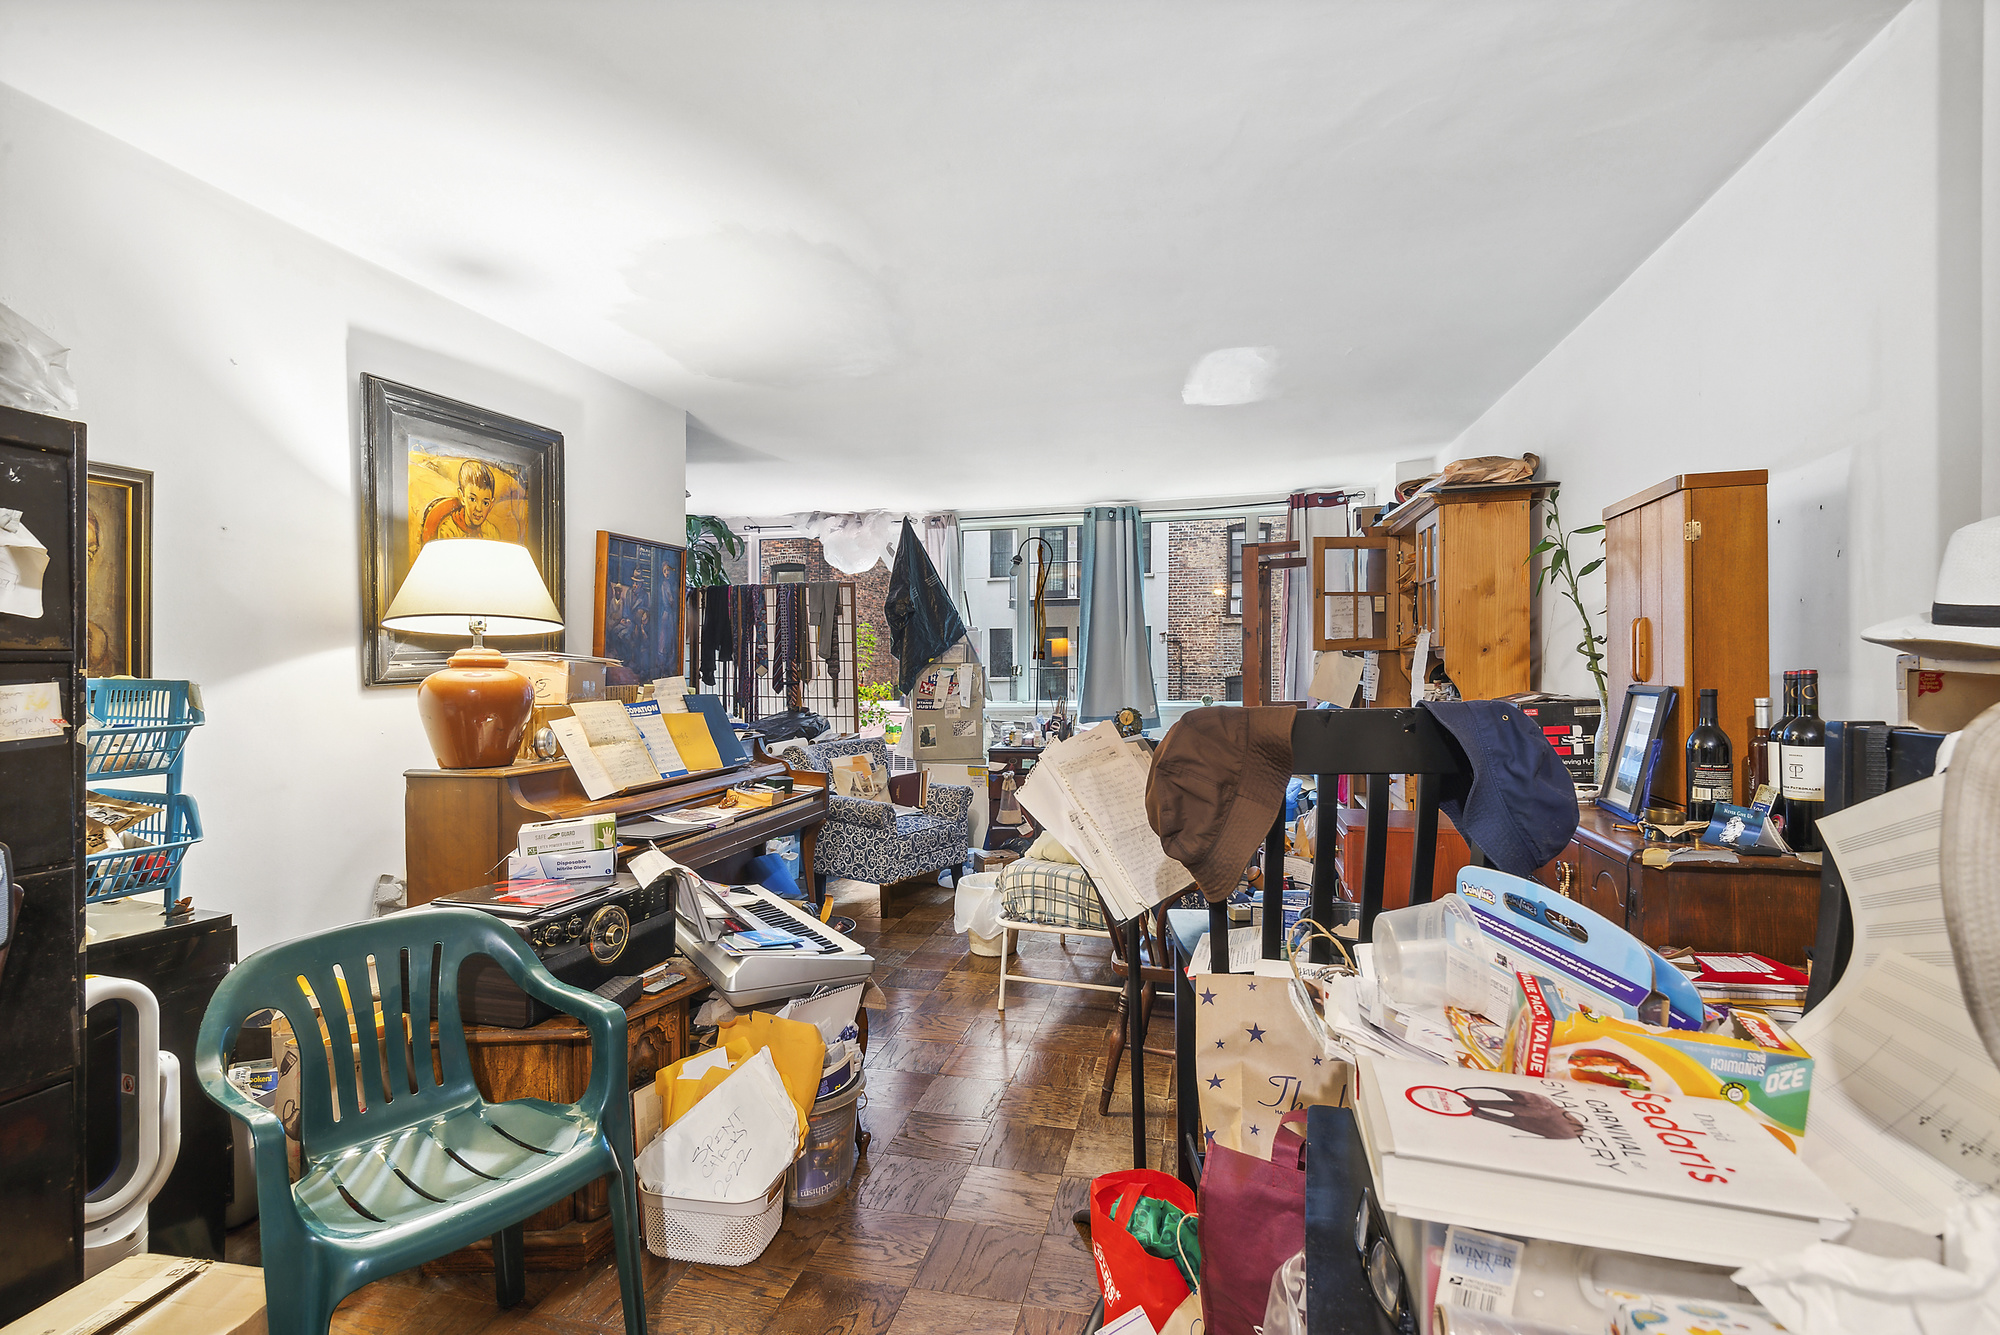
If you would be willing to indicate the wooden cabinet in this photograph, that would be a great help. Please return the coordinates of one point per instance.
(552, 1061)
(1452, 855)
(1686, 574)
(1464, 575)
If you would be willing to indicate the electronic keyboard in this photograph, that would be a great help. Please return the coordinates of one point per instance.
(826, 958)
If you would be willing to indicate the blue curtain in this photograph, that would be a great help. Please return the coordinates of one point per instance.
(1116, 662)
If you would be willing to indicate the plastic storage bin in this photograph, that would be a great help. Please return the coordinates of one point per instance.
(824, 1170)
(138, 725)
(168, 834)
(710, 1232)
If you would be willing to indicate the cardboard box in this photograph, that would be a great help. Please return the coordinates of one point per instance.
(1944, 694)
(580, 834)
(561, 681)
(155, 1295)
(1570, 723)
(1754, 1065)
(563, 866)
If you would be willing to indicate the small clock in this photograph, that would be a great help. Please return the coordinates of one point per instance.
(1128, 722)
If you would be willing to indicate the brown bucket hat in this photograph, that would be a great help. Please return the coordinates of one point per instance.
(1217, 784)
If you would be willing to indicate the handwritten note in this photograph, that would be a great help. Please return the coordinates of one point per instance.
(614, 745)
(29, 710)
(732, 1144)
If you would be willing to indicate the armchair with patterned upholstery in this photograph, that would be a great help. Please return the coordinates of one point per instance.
(871, 841)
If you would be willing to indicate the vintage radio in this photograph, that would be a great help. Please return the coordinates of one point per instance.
(584, 933)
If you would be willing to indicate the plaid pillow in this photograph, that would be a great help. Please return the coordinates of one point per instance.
(1054, 894)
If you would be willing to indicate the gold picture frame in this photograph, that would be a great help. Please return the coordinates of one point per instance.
(118, 572)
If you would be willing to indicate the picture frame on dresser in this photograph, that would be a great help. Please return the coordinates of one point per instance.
(1635, 750)
(118, 572)
(432, 468)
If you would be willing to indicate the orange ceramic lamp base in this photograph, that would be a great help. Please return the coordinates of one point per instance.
(475, 710)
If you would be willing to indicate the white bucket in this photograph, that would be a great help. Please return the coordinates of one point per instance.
(990, 946)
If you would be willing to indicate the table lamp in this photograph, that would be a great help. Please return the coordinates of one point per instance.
(475, 708)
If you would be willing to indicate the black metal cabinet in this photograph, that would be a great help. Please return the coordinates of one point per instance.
(42, 470)
(183, 964)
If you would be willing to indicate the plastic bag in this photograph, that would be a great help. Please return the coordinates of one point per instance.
(34, 368)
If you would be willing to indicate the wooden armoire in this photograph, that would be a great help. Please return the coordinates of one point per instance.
(1687, 577)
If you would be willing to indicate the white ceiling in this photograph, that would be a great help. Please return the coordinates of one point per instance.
(966, 252)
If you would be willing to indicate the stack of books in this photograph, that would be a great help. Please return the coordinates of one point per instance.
(1740, 978)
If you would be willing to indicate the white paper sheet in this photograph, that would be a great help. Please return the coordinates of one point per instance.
(659, 742)
(1092, 788)
(29, 710)
(1905, 1114)
(670, 693)
(23, 562)
(1335, 677)
(614, 742)
(733, 1144)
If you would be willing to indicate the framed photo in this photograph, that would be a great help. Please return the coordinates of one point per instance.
(118, 572)
(1628, 779)
(641, 589)
(434, 468)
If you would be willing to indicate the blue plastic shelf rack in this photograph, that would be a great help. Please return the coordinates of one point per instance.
(139, 726)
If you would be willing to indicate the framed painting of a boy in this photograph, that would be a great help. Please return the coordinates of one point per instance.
(435, 468)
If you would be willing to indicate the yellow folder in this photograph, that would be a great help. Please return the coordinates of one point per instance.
(693, 740)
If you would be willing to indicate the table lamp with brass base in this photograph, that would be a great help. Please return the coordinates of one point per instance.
(475, 709)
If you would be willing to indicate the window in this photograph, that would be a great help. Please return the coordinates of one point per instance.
(1000, 555)
(1145, 549)
(1058, 541)
(1236, 566)
(1000, 651)
(788, 572)
(1232, 687)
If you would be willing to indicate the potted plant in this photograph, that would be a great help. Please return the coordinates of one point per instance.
(709, 543)
(1562, 565)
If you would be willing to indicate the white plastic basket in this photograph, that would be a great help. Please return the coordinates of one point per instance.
(710, 1232)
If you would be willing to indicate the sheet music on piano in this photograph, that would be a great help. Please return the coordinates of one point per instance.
(1092, 788)
(1905, 1113)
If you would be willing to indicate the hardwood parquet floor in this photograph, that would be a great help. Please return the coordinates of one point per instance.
(985, 1134)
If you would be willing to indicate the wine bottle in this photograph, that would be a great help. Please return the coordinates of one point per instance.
(1803, 782)
(1711, 771)
(1757, 756)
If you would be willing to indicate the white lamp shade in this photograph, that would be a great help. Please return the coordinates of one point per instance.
(458, 580)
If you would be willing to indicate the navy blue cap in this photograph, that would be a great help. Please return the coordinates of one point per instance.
(1519, 805)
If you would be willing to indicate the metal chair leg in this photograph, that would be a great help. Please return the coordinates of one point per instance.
(510, 1280)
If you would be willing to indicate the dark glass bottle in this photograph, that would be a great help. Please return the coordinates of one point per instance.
(1757, 756)
(1711, 769)
(1803, 777)
(1775, 758)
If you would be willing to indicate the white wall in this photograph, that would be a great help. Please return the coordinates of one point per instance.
(222, 350)
(1812, 319)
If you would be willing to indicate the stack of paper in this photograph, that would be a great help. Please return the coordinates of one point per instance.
(1091, 790)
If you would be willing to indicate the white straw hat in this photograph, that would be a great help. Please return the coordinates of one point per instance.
(1964, 621)
(1969, 868)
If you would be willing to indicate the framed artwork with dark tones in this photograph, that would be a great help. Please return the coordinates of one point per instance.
(432, 468)
(641, 588)
(118, 572)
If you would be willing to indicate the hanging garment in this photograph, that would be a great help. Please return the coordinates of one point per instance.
(823, 601)
(717, 638)
(749, 649)
(922, 621)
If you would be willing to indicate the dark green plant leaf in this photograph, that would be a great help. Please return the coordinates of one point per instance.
(1594, 528)
(1592, 566)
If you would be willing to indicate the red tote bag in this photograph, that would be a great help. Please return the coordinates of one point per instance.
(1129, 1275)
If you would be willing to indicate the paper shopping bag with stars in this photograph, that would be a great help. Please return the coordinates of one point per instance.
(1255, 1060)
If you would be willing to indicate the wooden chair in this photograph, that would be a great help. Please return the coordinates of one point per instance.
(1328, 742)
(1151, 977)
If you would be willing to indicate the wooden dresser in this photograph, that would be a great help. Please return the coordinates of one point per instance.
(1768, 905)
(552, 1061)
(1463, 554)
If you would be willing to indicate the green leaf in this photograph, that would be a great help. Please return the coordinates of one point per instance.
(1592, 566)
(1544, 545)
(1594, 528)
(1558, 559)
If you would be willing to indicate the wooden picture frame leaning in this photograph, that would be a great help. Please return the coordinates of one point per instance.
(639, 597)
(118, 572)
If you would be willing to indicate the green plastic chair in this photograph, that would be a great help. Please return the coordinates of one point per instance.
(402, 1167)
